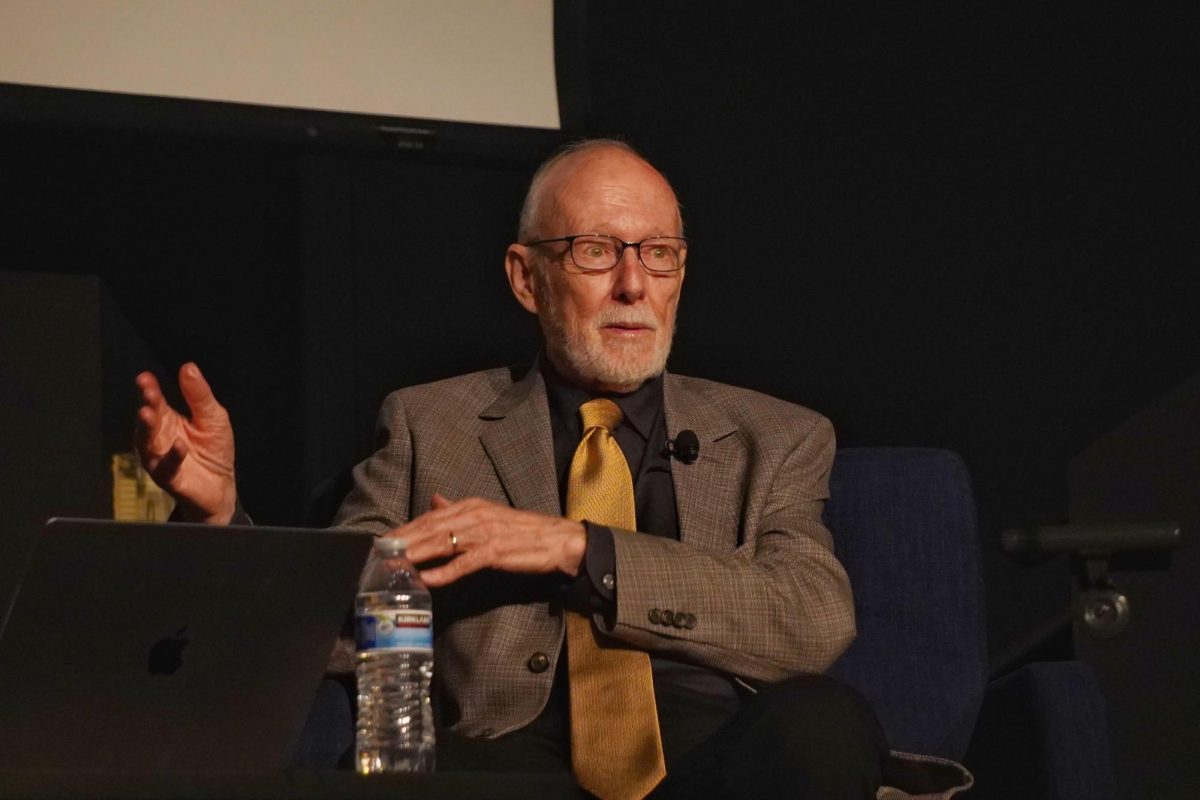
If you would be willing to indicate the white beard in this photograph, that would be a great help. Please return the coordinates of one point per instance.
(579, 349)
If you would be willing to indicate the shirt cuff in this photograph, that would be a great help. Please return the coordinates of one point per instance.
(600, 563)
(593, 592)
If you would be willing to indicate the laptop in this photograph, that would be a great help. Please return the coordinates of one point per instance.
(167, 647)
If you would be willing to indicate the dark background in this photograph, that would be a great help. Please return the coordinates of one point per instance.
(941, 224)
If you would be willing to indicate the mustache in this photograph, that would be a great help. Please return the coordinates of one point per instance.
(627, 317)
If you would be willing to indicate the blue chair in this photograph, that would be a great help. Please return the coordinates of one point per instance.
(328, 735)
(903, 522)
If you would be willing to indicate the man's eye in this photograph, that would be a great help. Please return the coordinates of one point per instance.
(594, 251)
(659, 253)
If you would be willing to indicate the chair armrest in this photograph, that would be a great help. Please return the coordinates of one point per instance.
(1043, 732)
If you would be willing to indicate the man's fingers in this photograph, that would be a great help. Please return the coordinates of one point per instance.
(148, 384)
(438, 518)
(153, 418)
(465, 564)
(163, 469)
(197, 392)
(150, 432)
(429, 534)
(143, 432)
(429, 544)
(147, 419)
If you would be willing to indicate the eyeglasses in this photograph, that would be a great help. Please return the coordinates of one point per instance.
(597, 252)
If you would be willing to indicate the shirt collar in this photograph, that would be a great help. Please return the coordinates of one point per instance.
(639, 407)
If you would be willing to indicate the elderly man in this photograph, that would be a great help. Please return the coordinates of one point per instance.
(655, 621)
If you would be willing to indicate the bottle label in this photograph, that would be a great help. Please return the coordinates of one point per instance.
(394, 630)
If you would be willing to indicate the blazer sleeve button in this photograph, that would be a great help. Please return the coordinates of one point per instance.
(680, 619)
(654, 616)
(691, 622)
(667, 617)
(538, 662)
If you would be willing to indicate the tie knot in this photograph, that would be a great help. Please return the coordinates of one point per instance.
(600, 413)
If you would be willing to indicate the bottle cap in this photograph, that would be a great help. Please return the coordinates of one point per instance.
(391, 546)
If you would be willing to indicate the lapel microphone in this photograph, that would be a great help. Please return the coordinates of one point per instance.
(685, 447)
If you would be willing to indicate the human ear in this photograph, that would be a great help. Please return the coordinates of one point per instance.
(518, 263)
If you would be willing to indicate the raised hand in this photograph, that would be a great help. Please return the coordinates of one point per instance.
(190, 458)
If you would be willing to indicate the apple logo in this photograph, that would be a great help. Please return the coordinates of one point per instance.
(166, 656)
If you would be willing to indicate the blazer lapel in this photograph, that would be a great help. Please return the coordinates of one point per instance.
(706, 491)
(518, 441)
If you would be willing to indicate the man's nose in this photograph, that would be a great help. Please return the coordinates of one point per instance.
(629, 278)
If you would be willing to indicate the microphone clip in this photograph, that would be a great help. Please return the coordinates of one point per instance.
(684, 447)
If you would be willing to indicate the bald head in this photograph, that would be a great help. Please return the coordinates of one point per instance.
(554, 176)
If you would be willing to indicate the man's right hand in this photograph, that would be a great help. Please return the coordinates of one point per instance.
(192, 459)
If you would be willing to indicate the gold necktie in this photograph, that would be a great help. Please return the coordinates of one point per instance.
(616, 749)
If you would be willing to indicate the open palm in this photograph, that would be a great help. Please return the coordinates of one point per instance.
(192, 458)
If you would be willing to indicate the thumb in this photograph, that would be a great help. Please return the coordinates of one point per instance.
(439, 501)
(197, 392)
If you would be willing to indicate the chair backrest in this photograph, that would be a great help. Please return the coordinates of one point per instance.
(903, 523)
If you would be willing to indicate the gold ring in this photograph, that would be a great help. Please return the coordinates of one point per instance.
(453, 542)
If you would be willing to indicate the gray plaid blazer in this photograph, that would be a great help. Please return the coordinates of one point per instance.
(754, 566)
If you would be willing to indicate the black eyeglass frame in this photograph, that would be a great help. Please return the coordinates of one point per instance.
(570, 240)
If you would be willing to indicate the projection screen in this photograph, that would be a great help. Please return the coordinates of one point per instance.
(470, 61)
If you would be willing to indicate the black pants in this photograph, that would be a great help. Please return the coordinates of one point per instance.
(807, 737)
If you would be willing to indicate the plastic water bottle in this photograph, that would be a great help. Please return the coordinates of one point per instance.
(394, 631)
